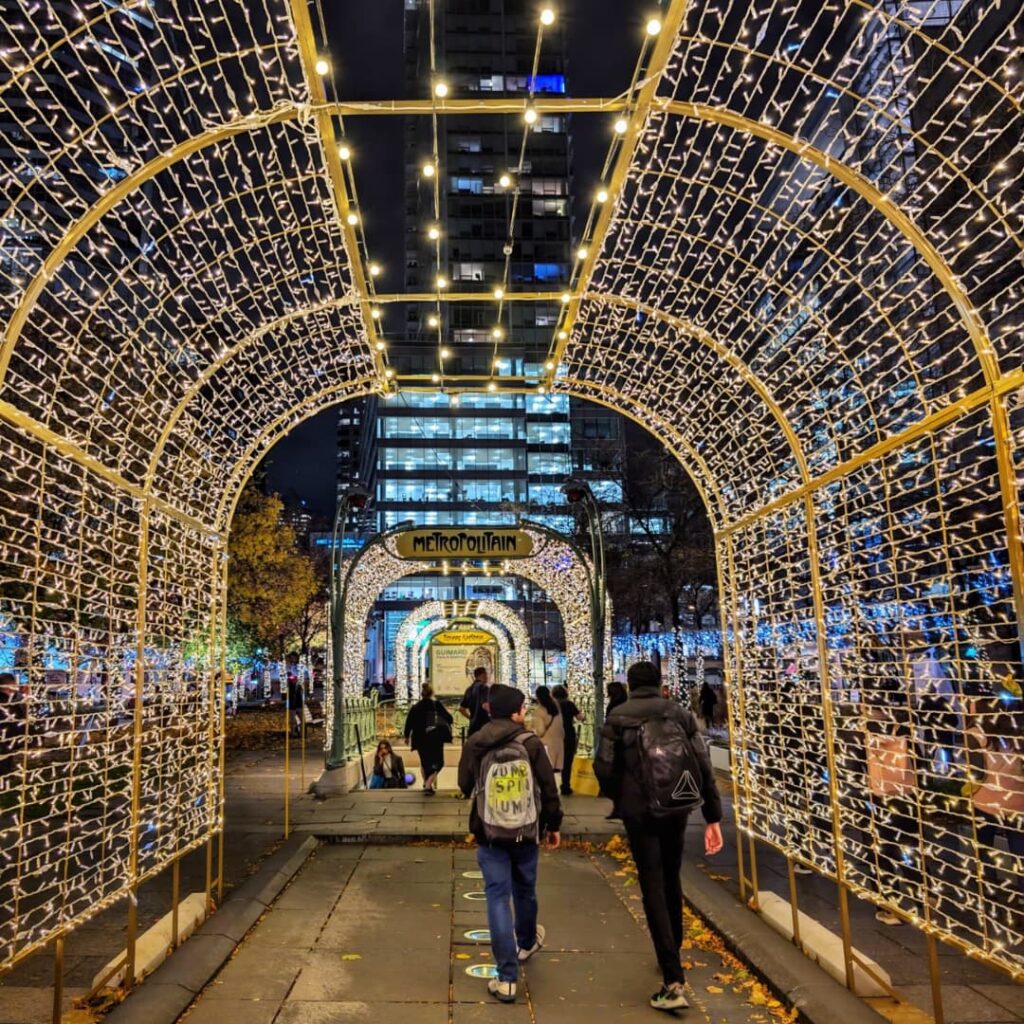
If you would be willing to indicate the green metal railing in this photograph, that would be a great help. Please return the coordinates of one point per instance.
(359, 725)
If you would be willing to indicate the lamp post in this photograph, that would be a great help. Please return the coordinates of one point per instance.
(578, 492)
(354, 498)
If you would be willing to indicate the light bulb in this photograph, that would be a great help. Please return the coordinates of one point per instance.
(344, 152)
(432, 321)
(621, 125)
(565, 298)
(374, 269)
(562, 335)
(445, 353)
(352, 219)
(541, 389)
(428, 170)
(436, 378)
(547, 16)
(497, 333)
(322, 67)
(499, 293)
(530, 116)
(441, 89)
(491, 386)
(455, 400)
(581, 253)
(549, 365)
(433, 232)
(389, 373)
(375, 313)
(602, 195)
(380, 346)
(504, 181)
(653, 27)
(442, 282)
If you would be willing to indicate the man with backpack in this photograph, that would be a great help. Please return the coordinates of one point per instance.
(653, 764)
(506, 771)
(474, 701)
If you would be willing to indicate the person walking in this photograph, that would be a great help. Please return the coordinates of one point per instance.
(570, 716)
(653, 763)
(388, 768)
(506, 771)
(546, 723)
(428, 727)
(474, 702)
(708, 701)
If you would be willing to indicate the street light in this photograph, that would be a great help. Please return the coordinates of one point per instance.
(578, 492)
(353, 499)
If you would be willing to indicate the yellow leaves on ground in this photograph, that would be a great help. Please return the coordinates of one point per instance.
(351, 956)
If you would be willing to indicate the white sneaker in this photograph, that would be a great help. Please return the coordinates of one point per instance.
(503, 991)
(803, 869)
(885, 917)
(538, 945)
(670, 997)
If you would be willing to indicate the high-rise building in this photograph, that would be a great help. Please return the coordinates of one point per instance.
(437, 456)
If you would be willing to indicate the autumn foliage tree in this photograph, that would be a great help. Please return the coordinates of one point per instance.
(270, 581)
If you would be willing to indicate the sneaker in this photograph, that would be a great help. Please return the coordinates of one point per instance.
(886, 917)
(538, 945)
(803, 869)
(503, 991)
(670, 997)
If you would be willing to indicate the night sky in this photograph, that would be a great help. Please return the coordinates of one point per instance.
(366, 53)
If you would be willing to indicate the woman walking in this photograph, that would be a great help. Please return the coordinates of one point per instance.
(428, 727)
(570, 716)
(546, 723)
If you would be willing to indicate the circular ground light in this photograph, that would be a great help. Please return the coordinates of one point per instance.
(474, 895)
(472, 874)
(478, 935)
(482, 971)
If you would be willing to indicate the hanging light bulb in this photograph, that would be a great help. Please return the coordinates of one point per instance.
(427, 170)
(621, 124)
(322, 67)
(653, 26)
(440, 89)
(344, 152)
(547, 16)
(530, 116)
(602, 195)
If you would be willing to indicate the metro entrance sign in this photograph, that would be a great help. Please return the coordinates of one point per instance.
(463, 636)
(432, 544)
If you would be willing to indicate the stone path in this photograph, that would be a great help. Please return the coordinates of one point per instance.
(385, 933)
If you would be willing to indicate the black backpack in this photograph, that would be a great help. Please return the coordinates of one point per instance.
(670, 772)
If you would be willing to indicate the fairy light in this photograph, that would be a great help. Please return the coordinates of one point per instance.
(739, 283)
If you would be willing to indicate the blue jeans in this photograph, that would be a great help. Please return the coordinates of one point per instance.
(510, 878)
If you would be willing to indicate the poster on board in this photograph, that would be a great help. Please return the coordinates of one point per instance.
(452, 663)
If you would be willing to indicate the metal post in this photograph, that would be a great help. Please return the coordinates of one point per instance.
(794, 905)
(336, 752)
(58, 978)
(175, 900)
(936, 979)
(287, 753)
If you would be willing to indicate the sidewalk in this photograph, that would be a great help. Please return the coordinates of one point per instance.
(385, 933)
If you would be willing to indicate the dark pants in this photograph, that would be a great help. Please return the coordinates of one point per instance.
(568, 756)
(657, 848)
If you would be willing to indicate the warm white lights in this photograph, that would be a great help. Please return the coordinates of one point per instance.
(566, 298)
(497, 333)
(375, 313)
(389, 373)
(562, 335)
(436, 378)
(442, 282)
(491, 386)
(445, 353)
(499, 292)
(653, 27)
(375, 269)
(602, 195)
(530, 116)
(344, 152)
(433, 232)
(432, 321)
(351, 219)
(427, 170)
(621, 124)
(549, 365)
(440, 90)
(322, 66)
(380, 346)
(504, 181)
(547, 16)
(581, 252)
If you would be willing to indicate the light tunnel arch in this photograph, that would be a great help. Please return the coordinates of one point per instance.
(148, 534)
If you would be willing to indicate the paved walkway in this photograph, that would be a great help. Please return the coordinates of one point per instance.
(387, 933)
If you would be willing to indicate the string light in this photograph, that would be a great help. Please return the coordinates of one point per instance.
(322, 67)
(602, 195)
(427, 170)
(432, 321)
(504, 181)
(621, 124)
(344, 152)
(581, 252)
(547, 16)
(530, 115)
(433, 232)
(440, 89)
(375, 269)
(499, 293)
(653, 26)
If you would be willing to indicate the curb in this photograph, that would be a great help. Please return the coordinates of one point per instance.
(819, 998)
(164, 996)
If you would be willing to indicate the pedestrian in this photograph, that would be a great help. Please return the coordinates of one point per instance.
(570, 716)
(428, 727)
(13, 716)
(296, 698)
(546, 724)
(616, 696)
(708, 701)
(388, 768)
(515, 803)
(654, 765)
(474, 701)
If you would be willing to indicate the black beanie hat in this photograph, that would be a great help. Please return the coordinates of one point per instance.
(643, 673)
(505, 701)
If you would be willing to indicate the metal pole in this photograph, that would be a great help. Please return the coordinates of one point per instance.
(936, 979)
(58, 978)
(175, 900)
(336, 752)
(287, 752)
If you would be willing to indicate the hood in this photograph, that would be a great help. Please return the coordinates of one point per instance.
(496, 732)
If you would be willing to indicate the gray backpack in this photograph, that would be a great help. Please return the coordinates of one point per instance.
(507, 795)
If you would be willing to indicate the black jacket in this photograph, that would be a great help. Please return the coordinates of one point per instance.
(618, 763)
(419, 718)
(494, 734)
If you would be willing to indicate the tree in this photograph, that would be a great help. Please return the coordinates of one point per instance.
(667, 558)
(270, 582)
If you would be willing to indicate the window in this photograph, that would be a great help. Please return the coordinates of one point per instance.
(467, 144)
(468, 272)
(549, 123)
(465, 335)
(475, 186)
(563, 524)
(550, 271)
(597, 429)
(547, 433)
(416, 458)
(545, 319)
(548, 83)
(506, 460)
(547, 187)
(550, 208)
(549, 463)
(547, 404)
(492, 83)
(546, 494)
(609, 491)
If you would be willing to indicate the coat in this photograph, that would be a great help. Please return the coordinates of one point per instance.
(494, 734)
(551, 733)
(617, 765)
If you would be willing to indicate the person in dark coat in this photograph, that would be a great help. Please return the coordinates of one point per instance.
(571, 714)
(708, 701)
(474, 702)
(428, 727)
(388, 768)
(656, 843)
(616, 696)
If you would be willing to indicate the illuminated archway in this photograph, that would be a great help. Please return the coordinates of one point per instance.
(815, 304)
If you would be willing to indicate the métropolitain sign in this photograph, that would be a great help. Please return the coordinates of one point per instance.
(454, 543)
